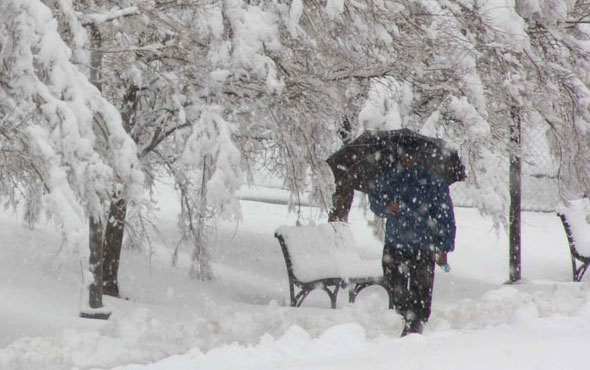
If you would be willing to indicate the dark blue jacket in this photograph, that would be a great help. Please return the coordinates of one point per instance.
(425, 219)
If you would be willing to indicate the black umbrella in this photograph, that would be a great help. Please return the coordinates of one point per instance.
(358, 163)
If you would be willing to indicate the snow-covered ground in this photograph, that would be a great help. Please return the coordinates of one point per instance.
(242, 320)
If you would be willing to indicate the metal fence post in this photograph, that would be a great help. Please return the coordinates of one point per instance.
(515, 196)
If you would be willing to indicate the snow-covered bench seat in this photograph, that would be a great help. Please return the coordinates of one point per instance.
(575, 216)
(326, 257)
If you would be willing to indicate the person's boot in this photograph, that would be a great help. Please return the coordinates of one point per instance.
(415, 326)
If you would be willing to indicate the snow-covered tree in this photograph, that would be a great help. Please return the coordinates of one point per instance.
(70, 139)
(560, 36)
(153, 66)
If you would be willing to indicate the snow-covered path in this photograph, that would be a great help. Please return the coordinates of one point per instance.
(530, 343)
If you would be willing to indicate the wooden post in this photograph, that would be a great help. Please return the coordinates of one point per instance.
(515, 196)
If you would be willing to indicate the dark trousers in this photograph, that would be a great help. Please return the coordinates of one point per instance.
(409, 276)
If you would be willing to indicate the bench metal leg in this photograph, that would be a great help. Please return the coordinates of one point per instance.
(577, 272)
(333, 295)
(301, 296)
(356, 289)
(297, 299)
(292, 294)
(580, 271)
(574, 269)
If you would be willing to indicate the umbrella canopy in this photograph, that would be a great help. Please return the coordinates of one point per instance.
(358, 163)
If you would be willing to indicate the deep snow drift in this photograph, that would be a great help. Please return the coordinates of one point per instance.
(242, 319)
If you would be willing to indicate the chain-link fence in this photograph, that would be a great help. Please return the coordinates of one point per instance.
(540, 190)
(539, 172)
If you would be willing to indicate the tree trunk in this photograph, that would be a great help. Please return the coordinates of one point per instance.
(95, 261)
(113, 241)
(341, 203)
(515, 198)
(201, 259)
(343, 194)
(94, 223)
(95, 266)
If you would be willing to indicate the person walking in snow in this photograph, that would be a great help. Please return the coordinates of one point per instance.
(420, 231)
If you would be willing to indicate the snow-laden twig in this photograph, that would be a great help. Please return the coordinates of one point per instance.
(98, 18)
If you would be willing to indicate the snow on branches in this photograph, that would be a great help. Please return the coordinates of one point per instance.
(59, 111)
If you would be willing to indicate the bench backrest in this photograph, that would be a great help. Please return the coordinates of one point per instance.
(319, 251)
(576, 218)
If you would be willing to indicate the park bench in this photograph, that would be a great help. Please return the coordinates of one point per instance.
(326, 257)
(575, 216)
